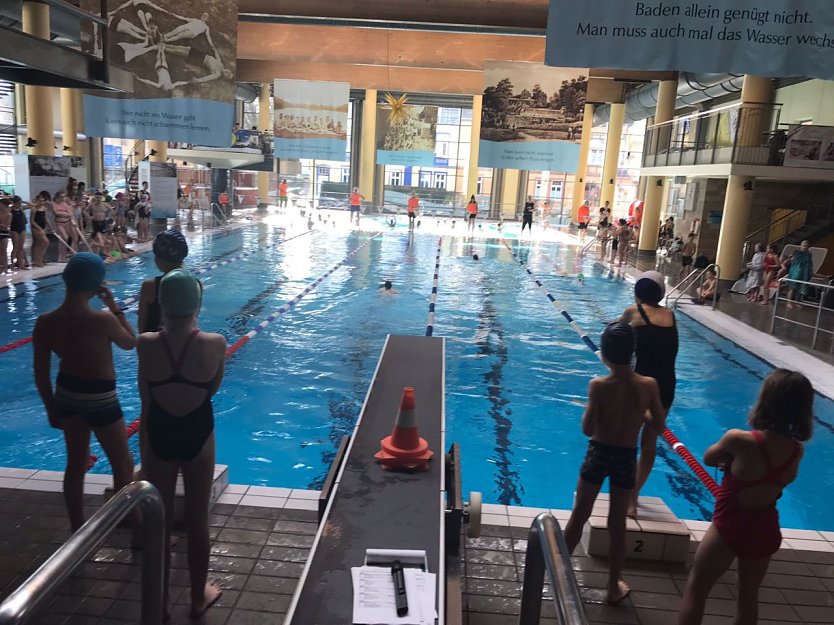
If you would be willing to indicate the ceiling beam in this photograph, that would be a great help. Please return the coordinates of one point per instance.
(507, 13)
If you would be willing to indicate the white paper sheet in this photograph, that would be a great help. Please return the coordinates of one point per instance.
(373, 597)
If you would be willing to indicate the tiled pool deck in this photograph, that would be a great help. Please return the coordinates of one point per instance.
(261, 538)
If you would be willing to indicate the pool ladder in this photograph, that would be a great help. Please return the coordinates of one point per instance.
(20, 606)
(684, 285)
(547, 550)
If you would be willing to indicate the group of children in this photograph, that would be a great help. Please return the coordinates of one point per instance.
(758, 464)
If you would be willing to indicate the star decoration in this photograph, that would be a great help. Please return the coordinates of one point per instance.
(397, 113)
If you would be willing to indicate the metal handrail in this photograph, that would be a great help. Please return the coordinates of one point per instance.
(691, 279)
(20, 606)
(816, 327)
(589, 245)
(546, 548)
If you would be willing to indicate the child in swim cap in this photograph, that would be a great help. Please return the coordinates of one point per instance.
(170, 250)
(616, 410)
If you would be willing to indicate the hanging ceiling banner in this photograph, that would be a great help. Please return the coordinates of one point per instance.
(765, 38)
(311, 119)
(532, 116)
(406, 135)
(183, 57)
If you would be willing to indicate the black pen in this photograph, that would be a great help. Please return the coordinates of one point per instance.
(399, 588)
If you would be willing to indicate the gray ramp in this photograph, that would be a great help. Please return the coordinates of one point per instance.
(374, 508)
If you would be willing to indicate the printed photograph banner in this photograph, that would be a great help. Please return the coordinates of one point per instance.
(532, 116)
(162, 185)
(311, 119)
(810, 146)
(182, 56)
(406, 136)
(34, 174)
(763, 38)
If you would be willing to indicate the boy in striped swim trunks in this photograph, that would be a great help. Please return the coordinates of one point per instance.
(84, 399)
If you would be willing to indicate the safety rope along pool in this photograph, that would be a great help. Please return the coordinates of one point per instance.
(127, 302)
(678, 447)
(133, 426)
(433, 298)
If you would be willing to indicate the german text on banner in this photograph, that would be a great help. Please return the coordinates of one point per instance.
(532, 117)
(182, 56)
(772, 38)
(406, 135)
(311, 119)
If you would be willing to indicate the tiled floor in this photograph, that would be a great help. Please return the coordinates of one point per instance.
(258, 554)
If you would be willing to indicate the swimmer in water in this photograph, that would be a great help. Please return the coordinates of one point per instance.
(388, 289)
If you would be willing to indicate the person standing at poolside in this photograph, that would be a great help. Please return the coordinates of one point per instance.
(618, 406)
(84, 399)
(5, 233)
(527, 215)
(63, 212)
(801, 269)
(657, 348)
(758, 465)
(169, 251)
(771, 263)
(283, 193)
(472, 214)
(583, 216)
(687, 254)
(180, 370)
(413, 205)
(356, 200)
(622, 236)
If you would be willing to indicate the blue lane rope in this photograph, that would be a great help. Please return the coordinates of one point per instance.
(291, 304)
(433, 298)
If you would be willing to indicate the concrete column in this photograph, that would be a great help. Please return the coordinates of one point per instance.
(582, 167)
(511, 181)
(474, 148)
(264, 125)
(367, 162)
(161, 148)
(734, 222)
(69, 116)
(653, 199)
(612, 154)
(39, 123)
(756, 95)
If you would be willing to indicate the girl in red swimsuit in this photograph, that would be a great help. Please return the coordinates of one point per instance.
(757, 466)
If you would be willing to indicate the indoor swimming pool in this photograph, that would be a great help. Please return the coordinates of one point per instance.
(516, 373)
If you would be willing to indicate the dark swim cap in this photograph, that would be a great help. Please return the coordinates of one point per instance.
(650, 287)
(170, 245)
(84, 272)
(617, 343)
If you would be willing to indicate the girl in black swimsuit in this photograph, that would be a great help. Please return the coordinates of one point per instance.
(18, 234)
(656, 351)
(180, 369)
(40, 242)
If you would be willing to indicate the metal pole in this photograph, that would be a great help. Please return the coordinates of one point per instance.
(21, 605)
(819, 318)
(546, 547)
(775, 305)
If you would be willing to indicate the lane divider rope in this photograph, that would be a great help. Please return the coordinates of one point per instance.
(433, 298)
(678, 447)
(133, 426)
(124, 304)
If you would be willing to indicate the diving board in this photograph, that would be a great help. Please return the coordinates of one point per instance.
(373, 508)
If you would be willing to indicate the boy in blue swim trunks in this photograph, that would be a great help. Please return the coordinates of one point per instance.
(617, 408)
(84, 398)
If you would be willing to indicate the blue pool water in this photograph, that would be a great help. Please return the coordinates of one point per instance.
(516, 373)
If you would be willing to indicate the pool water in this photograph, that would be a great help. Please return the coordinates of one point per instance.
(516, 373)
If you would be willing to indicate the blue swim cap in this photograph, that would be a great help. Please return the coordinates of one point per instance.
(170, 245)
(84, 272)
(180, 293)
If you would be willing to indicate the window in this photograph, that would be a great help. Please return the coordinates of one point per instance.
(425, 179)
(539, 185)
(323, 171)
(480, 186)
(555, 189)
(449, 116)
(440, 180)
(395, 178)
(346, 175)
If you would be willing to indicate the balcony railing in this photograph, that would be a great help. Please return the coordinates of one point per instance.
(717, 137)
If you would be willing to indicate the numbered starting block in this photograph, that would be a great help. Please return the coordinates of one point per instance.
(656, 535)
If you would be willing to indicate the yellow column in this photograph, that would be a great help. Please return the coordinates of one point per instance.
(39, 126)
(161, 149)
(474, 148)
(756, 95)
(367, 163)
(612, 154)
(69, 129)
(653, 199)
(582, 167)
(509, 193)
(264, 125)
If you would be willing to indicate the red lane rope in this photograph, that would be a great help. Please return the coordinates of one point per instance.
(701, 473)
(15, 345)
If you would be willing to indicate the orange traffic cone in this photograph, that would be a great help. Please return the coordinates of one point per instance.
(404, 449)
